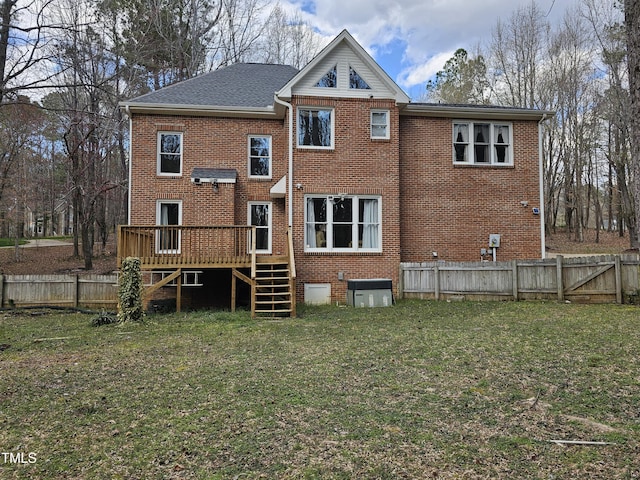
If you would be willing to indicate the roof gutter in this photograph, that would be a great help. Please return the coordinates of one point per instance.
(290, 162)
(474, 112)
(199, 110)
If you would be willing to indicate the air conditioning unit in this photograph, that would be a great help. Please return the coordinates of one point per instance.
(375, 292)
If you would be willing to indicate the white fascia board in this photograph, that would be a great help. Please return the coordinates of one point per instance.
(200, 110)
(475, 112)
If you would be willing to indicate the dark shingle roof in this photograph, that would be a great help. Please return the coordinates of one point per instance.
(239, 85)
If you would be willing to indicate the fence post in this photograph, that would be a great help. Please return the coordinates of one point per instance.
(76, 285)
(515, 280)
(436, 282)
(401, 282)
(618, 279)
(559, 278)
(1, 291)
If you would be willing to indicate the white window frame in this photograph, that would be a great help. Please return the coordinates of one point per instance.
(249, 157)
(159, 154)
(316, 147)
(268, 226)
(387, 134)
(159, 204)
(492, 143)
(355, 223)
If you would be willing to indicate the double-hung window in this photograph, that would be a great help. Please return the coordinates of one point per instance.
(380, 124)
(341, 223)
(169, 153)
(315, 127)
(260, 157)
(482, 143)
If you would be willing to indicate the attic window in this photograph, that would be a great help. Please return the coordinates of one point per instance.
(356, 81)
(330, 79)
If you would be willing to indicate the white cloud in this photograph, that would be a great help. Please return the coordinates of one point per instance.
(419, 74)
(429, 30)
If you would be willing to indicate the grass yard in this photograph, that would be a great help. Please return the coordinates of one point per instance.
(420, 390)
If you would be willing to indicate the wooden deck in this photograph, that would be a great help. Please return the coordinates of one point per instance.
(176, 248)
(179, 246)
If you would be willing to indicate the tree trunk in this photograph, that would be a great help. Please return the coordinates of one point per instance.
(632, 24)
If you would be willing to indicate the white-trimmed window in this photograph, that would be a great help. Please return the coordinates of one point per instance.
(259, 156)
(343, 223)
(259, 216)
(380, 124)
(168, 214)
(482, 143)
(170, 153)
(315, 127)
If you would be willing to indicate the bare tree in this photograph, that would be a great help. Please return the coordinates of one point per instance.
(290, 41)
(632, 24)
(517, 51)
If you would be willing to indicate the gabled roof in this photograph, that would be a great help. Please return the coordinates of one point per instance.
(345, 39)
(239, 87)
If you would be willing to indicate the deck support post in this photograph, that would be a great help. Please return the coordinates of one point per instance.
(233, 290)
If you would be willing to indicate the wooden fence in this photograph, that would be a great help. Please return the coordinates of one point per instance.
(90, 291)
(597, 279)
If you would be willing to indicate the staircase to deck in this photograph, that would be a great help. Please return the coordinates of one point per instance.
(274, 288)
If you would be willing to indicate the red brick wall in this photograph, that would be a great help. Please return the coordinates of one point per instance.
(357, 165)
(211, 143)
(452, 209)
(428, 204)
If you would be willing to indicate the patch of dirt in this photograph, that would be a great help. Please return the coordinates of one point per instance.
(41, 260)
(610, 243)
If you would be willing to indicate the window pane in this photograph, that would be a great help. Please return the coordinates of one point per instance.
(461, 139)
(169, 163)
(379, 118)
(314, 128)
(168, 238)
(260, 147)
(316, 228)
(461, 133)
(501, 133)
(342, 236)
(260, 215)
(330, 80)
(169, 143)
(481, 142)
(368, 224)
(343, 223)
(342, 211)
(262, 239)
(356, 81)
(259, 167)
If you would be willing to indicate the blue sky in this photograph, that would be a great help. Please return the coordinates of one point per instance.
(412, 39)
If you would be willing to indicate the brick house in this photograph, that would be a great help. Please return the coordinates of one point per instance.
(320, 176)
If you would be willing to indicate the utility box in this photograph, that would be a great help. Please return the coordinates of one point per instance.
(317, 293)
(375, 292)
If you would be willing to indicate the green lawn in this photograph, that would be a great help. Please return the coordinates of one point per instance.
(418, 390)
(11, 242)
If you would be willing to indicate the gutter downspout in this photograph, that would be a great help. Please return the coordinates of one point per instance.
(128, 112)
(290, 163)
(541, 174)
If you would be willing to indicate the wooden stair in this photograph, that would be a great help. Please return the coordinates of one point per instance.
(274, 290)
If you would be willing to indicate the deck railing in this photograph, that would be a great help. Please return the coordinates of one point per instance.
(177, 246)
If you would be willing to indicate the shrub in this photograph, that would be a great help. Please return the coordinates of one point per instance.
(130, 289)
